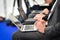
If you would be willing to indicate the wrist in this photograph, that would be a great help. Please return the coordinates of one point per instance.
(44, 14)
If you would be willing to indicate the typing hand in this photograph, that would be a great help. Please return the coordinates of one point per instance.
(40, 25)
(38, 17)
(41, 15)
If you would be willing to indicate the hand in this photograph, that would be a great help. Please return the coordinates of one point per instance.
(40, 16)
(40, 25)
(46, 11)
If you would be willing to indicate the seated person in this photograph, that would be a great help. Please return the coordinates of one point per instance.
(51, 32)
(38, 7)
(35, 9)
(37, 35)
(43, 32)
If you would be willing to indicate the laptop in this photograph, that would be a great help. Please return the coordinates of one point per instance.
(20, 26)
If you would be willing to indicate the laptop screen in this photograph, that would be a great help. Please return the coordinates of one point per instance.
(16, 21)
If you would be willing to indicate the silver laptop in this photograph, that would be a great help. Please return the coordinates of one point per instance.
(20, 26)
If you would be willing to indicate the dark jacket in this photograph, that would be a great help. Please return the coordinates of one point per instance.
(52, 31)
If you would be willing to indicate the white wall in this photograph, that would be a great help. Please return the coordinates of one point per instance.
(9, 5)
(2, 8)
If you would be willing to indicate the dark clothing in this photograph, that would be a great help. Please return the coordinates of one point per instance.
(37, 7)
(28, 36)
(52, 31)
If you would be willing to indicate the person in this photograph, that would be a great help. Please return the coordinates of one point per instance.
(41, 8)
(2, 19)
(34, 35)
(48, 1)
(51, 32)
(38, 7)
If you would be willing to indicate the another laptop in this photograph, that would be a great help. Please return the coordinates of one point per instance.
(20, 26)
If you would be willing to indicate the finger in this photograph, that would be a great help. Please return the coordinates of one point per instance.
(35, 18)
(36, 23)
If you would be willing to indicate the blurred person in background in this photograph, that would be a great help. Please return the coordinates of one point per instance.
(38, 7)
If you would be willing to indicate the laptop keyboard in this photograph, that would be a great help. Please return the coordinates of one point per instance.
(29, 27)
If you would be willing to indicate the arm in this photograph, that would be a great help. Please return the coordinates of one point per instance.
(42, 14)
(41, 20)
(52, 31)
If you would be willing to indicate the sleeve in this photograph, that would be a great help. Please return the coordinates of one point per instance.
(52, 31)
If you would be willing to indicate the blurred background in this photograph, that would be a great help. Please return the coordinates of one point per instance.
(6, 9)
